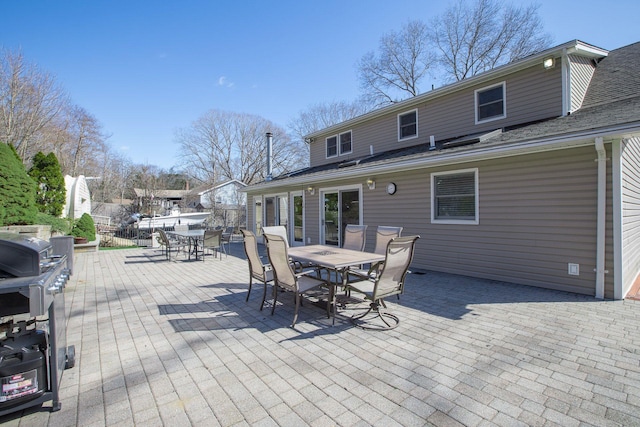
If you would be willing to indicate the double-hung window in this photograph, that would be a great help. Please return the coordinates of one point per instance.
(491, 103)
(408, 125)
(332, 146)
(455, 197)
(339, 144)
(345, 143)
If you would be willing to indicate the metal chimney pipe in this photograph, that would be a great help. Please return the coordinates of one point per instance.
(269, 156)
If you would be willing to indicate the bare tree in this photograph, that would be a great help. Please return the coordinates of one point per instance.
(467, 39)
(474, 38)
(323, 115)
(29, 100)
(403, 61)
(224, 145)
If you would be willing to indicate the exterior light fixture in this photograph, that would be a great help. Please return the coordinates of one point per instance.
(311, 190)
(549, 63)
(371, 184)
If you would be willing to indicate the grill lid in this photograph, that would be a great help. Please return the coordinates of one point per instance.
(21, 256)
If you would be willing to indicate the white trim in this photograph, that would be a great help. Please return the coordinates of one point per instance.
(618, 247)
(475, 221)
(504, 102)
(601, 218)
(406, 138)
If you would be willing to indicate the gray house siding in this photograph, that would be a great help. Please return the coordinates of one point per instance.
(630, 168)
(581, 72)
(453, 115)
(537, 213)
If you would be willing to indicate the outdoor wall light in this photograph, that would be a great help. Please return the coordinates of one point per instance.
(549, 63)
(311, 190)
(371, 184)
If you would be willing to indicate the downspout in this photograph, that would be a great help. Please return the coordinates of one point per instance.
(601, 220)
(566, 83)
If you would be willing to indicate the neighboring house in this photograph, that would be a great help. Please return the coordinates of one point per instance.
(161, 202)
(224, 199)
(226, 193)
(528, 173)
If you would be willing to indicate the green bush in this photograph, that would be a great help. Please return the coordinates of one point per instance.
(18, 201)
(50, 189)
(58, 225)
(85, 227)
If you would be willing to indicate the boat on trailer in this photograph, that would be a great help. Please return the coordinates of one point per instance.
(175, 218)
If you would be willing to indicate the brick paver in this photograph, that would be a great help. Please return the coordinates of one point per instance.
(174, 343)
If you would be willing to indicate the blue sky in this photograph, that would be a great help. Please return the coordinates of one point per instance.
(146, 68)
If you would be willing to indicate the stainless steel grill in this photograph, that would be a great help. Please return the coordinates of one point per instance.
(33, 348)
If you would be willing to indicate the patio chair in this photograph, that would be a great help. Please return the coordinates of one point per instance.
(384, 234)
(281, 230)
(285, 277)
(389, 281)
(257, 270)
(212, 240)
(277, 230)
(169, 243)
(355, 237)
(226, 237)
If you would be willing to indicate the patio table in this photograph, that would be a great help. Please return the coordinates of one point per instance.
(193, 236)
(335, 259)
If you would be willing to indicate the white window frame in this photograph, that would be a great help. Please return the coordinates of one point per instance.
(435, 220)
(476, 95)
(326, 146)
(350, 142)
(400, 138)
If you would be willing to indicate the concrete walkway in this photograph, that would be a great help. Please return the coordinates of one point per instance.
(174, 343)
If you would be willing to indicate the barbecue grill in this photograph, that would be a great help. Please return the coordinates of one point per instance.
(33, 341)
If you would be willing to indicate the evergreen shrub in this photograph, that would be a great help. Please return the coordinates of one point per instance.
(85, 227)
(18, 190)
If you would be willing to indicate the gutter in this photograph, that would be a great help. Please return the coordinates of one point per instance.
(601, 220)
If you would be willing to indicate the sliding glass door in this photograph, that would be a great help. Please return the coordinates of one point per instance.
(341, 207)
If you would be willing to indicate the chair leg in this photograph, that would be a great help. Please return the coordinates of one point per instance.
(264, 295)
(275, 297)
(295, 314)
(249, 292)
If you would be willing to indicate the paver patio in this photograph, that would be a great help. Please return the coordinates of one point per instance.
(174, 343)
